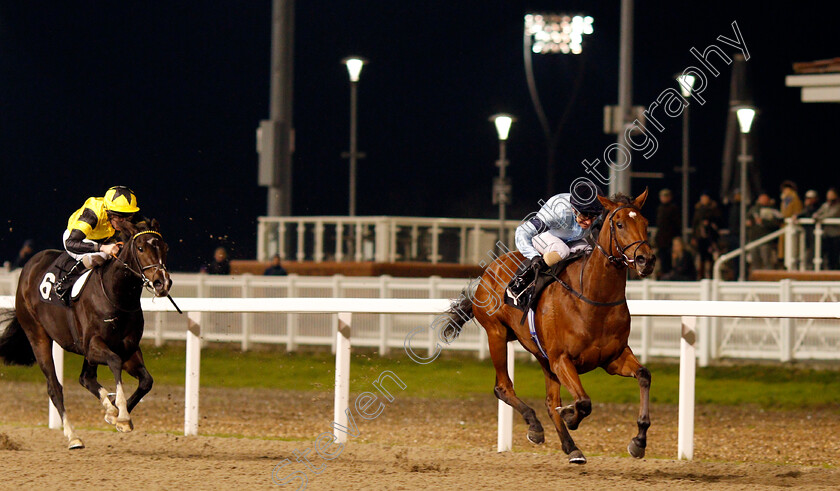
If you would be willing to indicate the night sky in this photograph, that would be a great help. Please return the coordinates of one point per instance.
(165, 97)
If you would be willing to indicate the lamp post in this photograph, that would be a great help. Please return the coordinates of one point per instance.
(547, 33)
(501, 185)
(354, 68)
(745, 119)
(686, 86)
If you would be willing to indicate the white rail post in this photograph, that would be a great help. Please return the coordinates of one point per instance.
(790, 244)
(158, 329)
(646, 324)
(339, 242)
(360, 230)
(505, 440)
(342, 375)
(291, 319)
(383, 318)
(261, 239)
(688, 358)
(246, 317)
(705, 325)
(318, 253)
(434, 256)
(193, 369)
(787, 326)
(281, 241)
(300, 255)
(58, 360)
(382, 241)
(818, 233)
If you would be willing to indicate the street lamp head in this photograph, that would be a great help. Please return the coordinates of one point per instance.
(354, 66)
(686, 84)
(745, 117)
(502, 122)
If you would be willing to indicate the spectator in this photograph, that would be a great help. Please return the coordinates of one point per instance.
(790, 206)
(682, 261)
(762, 219)
(705, 227)
(831, 233)
(668, 226)
(733, 240)
(220, 263)
(26, 252)
(276, 269)
(810, 207)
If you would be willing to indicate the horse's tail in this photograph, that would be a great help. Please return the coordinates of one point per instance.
(459, 313)
(14, 345)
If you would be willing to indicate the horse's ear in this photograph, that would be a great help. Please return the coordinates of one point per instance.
(607, 203)
(155, 225)
(640, 200)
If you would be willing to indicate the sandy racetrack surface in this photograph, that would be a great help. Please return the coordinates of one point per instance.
(414, 444)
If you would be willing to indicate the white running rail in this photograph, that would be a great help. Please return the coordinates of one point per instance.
(345, 307)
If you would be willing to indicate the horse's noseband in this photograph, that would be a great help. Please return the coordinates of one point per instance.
(623, 259)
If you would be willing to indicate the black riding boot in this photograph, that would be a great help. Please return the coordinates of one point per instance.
(520, 287)
(64, 285)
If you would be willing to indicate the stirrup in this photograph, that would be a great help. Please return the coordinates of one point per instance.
(63, 290)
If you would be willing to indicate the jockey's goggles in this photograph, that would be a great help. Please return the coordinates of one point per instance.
(119, 214)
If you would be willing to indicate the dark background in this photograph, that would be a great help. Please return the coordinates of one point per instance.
(165, 97)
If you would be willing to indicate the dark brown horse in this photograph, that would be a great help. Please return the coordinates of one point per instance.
(104, 325)
(581, 325)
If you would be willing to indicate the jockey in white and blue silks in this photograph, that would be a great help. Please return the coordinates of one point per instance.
(558, 229)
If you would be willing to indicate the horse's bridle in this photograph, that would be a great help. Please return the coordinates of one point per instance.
(146, 283)
(623, 259)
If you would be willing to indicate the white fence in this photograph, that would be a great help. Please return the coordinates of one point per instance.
(344, 307)
(783, 339)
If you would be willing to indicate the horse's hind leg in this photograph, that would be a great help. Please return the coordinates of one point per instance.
(43, 354)
(567, 374)
(553, 401)
(89, 381)
(137, 369)
(627, 365)
(497, 338)
(98, 352)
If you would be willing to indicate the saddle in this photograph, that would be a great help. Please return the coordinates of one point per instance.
(531, 279)
(76, 278)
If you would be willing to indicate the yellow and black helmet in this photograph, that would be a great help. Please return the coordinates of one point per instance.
(121, 200)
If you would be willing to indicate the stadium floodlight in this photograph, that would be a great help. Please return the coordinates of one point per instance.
(557, 33)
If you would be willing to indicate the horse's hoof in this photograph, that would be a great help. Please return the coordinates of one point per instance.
(576, 457)
(124, 426)
(111, 419)
(635, 450)
(75, 444)
(568, 415)
(536, 437)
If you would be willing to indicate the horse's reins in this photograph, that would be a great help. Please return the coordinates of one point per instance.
(146, 283)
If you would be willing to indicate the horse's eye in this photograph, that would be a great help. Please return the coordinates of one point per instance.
(619, 225)
(140, 248)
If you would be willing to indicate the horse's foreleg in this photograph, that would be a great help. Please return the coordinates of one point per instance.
(552, 401)
(137, 369)
(89, 381)
(567, 374)
(628, 366)
(98, 352)
(503, 390)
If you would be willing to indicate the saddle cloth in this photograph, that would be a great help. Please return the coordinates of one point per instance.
(62, 264)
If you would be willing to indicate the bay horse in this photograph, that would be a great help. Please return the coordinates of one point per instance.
(104, 325)
(582, 323)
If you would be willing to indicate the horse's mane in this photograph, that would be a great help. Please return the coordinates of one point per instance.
(622, 199)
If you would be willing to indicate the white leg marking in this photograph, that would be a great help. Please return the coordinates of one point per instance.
(111, 411)
(123, 419)
(72, 439)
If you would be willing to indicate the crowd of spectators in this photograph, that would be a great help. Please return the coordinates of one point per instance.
(689, 254)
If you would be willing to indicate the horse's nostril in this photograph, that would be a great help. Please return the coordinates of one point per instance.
(641, 260)
(157, 283)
